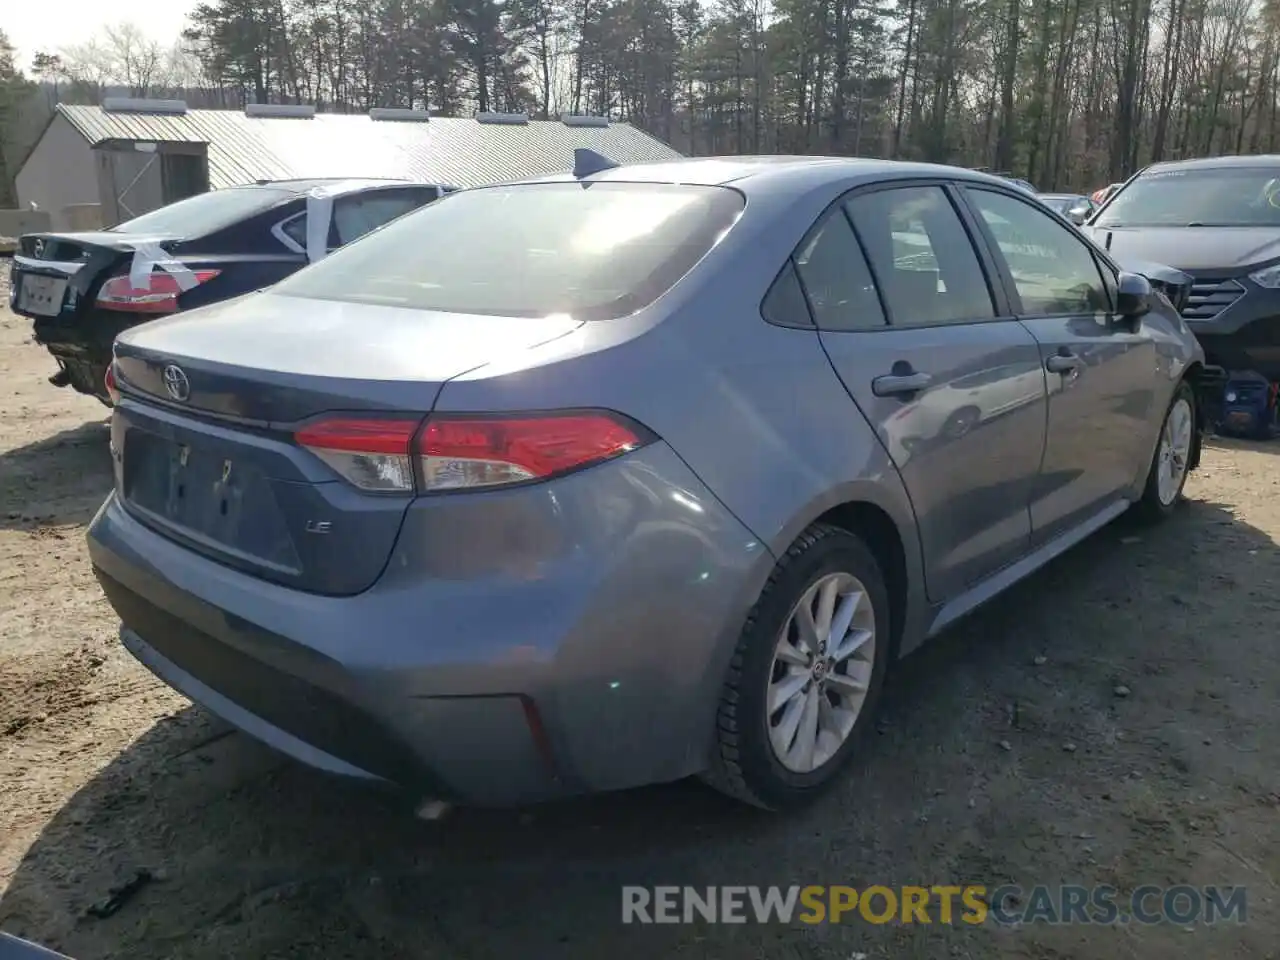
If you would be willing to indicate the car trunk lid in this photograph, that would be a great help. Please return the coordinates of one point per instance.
(57, 274)
(212, 399)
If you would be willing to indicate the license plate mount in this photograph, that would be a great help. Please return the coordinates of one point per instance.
(205, 491)
(197, 490)
(208, 493)
(41, 294)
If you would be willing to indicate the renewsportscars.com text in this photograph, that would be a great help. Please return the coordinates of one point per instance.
(971, 904)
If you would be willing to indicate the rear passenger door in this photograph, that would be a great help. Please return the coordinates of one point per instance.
(1100, 368)
(952, 386)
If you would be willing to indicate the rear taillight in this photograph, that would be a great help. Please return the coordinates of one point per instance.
(465, 452)
(468, 452)
(372, 454)
(109, 381)
(160, 295)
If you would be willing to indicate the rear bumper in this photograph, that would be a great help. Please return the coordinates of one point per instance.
(297, 713)
(84, 355)
(86, 330)
(497, 660)
(84, 373)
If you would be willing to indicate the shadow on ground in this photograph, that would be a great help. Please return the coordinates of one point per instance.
(1235, 444)
(968, 778)
(75, 464)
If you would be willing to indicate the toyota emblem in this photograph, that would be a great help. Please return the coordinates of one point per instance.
(176, 383)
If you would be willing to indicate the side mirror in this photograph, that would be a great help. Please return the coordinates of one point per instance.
(1133, 295)
(1078, 215)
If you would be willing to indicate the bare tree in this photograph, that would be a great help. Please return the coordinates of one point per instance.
(1073, 93)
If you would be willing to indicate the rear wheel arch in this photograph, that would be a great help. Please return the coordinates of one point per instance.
(870, 512)
(877, 529)
(744, 761)
(877, 509)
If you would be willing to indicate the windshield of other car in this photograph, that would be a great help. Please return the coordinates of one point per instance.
(594, 251)
(1198, 197)
(205, 212)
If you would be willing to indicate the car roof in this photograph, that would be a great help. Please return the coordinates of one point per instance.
(1210, 163)
(760, 172)
(334, 185)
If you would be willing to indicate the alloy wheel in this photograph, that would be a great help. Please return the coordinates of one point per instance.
(821, 672)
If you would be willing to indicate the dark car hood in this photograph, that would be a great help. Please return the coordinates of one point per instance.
(1194, 249)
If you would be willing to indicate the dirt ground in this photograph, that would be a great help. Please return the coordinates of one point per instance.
(1111, 721)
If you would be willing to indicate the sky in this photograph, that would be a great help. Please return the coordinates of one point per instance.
(31, 26)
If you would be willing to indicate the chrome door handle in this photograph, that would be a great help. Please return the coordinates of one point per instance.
(1063, 363)
(896, 384)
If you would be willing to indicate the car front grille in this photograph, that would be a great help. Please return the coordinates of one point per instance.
(1208, 298)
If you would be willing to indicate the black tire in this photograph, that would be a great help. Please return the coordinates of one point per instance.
(743, 763)
(1151, 508)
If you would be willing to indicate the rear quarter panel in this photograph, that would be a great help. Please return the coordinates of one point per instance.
(240, 274)
(249, 255)
(755, 410)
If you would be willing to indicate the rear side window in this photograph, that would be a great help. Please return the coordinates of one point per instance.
(595, 251)
(357, 214)
(784, 304)
(295, 228)
(922, 256)
(836, 278)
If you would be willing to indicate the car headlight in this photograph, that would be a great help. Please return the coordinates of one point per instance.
(1268, 277)
(1231, 396)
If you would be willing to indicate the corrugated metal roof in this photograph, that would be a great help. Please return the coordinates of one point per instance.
(462, 152)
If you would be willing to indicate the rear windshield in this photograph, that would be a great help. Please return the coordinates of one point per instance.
(1213, 197)
(595, 251)
(205, 212)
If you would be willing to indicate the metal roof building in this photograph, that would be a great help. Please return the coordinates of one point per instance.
(130, 156)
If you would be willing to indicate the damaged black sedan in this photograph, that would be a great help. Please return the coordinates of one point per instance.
(83, 289)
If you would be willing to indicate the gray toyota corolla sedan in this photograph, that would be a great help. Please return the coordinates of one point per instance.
(622, 476)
